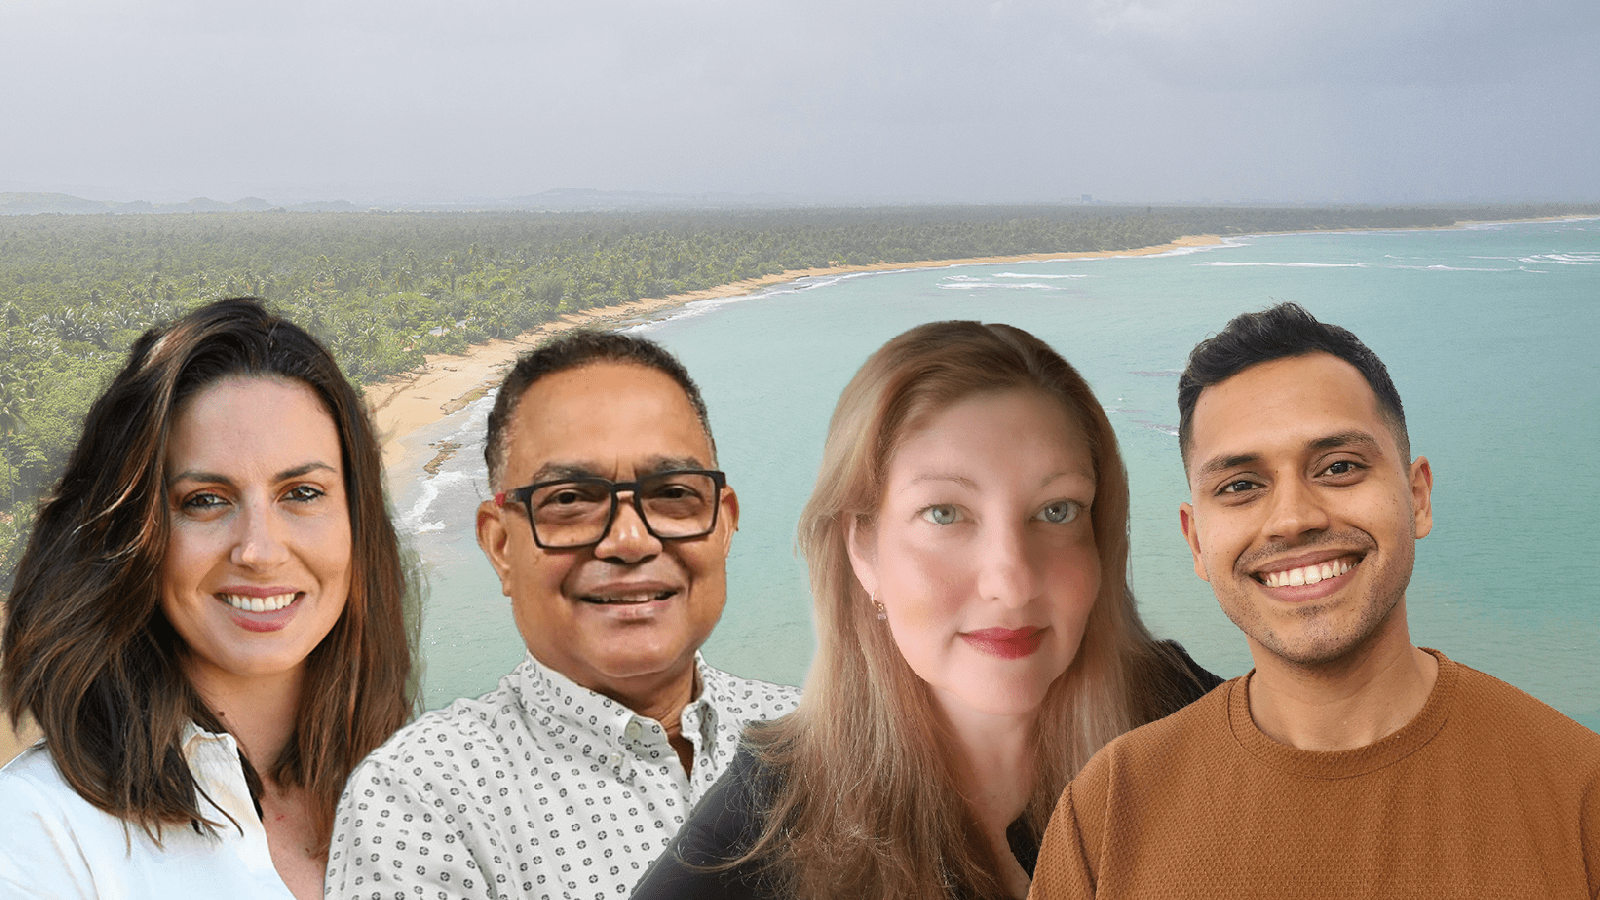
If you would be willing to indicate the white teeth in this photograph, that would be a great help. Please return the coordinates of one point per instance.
(1311, 574)
(630, 598)
(259, 604)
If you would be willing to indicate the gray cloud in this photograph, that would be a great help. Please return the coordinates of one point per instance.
(1013, 99)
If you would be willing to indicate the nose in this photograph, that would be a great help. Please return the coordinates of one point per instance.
(627, 541)
(259, 543)
(1295, 508)
(1006, 573)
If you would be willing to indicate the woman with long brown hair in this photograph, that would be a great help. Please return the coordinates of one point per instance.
(209, 624)
(977, 640)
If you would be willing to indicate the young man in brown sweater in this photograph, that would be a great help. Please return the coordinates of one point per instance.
(1349, 763)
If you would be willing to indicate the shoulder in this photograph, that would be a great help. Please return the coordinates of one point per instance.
(1166, 747)
(31, 784)
(748, 781)
(725, 824)
(445, 746)
(1180, 678)
(1492, 710)
(54, 839)
(748, 699)
(33, 789)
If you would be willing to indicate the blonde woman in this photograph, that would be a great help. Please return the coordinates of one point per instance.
(977, 641)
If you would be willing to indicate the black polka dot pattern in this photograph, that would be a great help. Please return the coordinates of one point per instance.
(539, 788)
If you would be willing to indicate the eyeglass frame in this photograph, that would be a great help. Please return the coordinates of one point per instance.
(524, 497)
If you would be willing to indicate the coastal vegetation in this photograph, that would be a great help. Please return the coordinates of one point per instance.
(385, 288)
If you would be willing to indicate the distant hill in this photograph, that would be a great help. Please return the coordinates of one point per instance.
(25, 204)
(555, 200)
(592, 199)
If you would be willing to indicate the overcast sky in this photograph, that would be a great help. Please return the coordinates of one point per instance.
(1127, 100)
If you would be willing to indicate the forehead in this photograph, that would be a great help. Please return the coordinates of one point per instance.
(1013, 425)
(223, 423)
(605, 417)
(1285, 404)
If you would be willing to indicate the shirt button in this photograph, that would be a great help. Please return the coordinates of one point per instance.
(632, 731)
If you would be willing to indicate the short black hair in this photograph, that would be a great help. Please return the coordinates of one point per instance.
(572, 350)
(1282, 331)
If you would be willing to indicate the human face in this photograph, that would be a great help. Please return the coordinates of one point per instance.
(982, 551)
(1303, 514)
(623, 617)
(257, 567)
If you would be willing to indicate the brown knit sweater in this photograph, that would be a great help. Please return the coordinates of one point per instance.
(1486, 793)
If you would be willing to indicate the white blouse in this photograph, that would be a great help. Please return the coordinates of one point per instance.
(54, 844)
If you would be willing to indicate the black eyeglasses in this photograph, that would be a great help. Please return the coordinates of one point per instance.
(578, 512)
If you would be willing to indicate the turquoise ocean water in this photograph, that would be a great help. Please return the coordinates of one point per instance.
(1490, 332)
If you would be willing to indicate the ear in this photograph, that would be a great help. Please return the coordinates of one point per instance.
(1191, 533)
(728, 516)
(492, 538)
(861, 543)
(1422, 495)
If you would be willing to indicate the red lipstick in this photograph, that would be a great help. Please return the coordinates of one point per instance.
(1005, 643)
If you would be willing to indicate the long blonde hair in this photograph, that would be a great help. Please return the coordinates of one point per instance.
(866, 802)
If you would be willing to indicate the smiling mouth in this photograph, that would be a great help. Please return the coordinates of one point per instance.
(627, 599)
(260, 604)
(1312, 574)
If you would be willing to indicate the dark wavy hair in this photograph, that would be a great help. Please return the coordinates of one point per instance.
(89, 652)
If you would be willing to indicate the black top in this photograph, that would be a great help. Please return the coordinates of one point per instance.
(731, 815)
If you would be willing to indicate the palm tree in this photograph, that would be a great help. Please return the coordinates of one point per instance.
(11, 402)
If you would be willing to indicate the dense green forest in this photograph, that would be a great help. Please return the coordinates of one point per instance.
(385, 288)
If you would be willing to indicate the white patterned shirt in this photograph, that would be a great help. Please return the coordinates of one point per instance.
(539, 788)
(55, 844)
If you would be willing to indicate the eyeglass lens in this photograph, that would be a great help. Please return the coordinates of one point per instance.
(575, 513)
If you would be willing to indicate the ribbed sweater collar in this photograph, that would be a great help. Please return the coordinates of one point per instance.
(1335, 764)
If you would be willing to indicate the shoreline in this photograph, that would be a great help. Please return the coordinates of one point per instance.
(404, 403)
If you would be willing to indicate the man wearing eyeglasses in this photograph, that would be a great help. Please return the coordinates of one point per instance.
(609, 527)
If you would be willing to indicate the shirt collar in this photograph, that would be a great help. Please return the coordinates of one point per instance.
(195, 739)
(596, 715)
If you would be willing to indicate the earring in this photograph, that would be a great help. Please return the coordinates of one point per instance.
(882, 613)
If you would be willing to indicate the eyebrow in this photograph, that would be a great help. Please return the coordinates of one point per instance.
(564, 471)
(973, 485)
(967, 483)
(1351, 438)
(285, 475)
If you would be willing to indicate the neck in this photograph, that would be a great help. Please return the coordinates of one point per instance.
(1351, 702)
(994, 770)
(994, 764)
(259, 712)
(663, 698)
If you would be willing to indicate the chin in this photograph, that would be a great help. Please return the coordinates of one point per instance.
(652, 662)
(1000, 702)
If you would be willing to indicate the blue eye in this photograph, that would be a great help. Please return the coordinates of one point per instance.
(1060, 512)
(943, 514)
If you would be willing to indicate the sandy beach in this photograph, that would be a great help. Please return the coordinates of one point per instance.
(445, 383)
